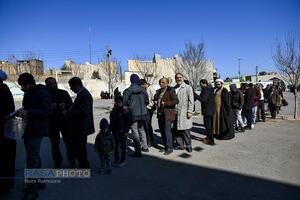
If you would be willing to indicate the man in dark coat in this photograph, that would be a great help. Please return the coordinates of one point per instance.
(7, 145)
(248, 104)
(255, 99)
(166, 99)
(80, 121)
(61, 101)
(36, 112)
(135, 101)
(223, 116)
(237, 102)
(207, 109)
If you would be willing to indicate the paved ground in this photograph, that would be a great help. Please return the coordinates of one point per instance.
(260, 164)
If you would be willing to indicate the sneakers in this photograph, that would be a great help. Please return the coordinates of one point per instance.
(252, 125)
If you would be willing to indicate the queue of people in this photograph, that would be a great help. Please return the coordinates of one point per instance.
(49, 111)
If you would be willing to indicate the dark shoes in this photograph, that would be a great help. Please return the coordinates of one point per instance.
(189, 149)
(242, 130)
(168, 151)
(30, 196)
(145, 150)
(178, 148)
(248, 127)
(208, 141)
(136, 155)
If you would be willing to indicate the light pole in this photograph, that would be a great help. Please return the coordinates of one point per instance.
(256, 69)
(109, 69)
(239, 59)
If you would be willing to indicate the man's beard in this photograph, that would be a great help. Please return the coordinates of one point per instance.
(179, 82)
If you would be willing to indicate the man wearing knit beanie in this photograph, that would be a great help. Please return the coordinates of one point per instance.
(134, 79)
(135, 102)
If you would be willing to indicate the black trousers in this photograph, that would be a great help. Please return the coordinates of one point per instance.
(54, 136)
(78, 149)
(182, 137)
(208, 124)
(165, 128)
(7, 166)
(261, 110)
(120, 143)
(248, 115)
(273, 110)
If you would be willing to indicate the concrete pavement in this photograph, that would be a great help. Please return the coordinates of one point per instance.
(262, 163)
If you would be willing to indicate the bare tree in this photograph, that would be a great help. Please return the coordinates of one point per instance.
(286, 57)
(148, 69)
(12, 60)
(192, 63)
(111, 68)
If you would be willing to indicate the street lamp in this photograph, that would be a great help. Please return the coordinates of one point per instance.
(108, 55)
(239, 59)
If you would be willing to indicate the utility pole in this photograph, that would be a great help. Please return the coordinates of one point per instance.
(239, 59)
(90, 46)
(108, 55)
(256, 69)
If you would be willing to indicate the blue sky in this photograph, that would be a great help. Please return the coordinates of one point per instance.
(58, 30)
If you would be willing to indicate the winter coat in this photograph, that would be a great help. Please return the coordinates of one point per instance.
(135, 98)
(207, 101)
(185, 96)
(37, 103)
(170, 100)
(237, 100)
(104, 142)
(80, 116)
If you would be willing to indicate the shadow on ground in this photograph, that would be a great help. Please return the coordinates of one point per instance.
(155, 177)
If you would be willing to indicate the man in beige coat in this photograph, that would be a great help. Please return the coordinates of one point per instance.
(184, 113)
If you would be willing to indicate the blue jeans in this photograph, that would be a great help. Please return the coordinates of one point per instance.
(254, 110)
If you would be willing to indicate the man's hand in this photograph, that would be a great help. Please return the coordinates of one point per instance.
(189, 115)
(126, 109)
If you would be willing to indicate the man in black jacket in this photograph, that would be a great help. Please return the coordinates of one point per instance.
(207, 109)
(36, 112)
(80, 121)
(61, 101)
(237, 102)
(247, 107)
